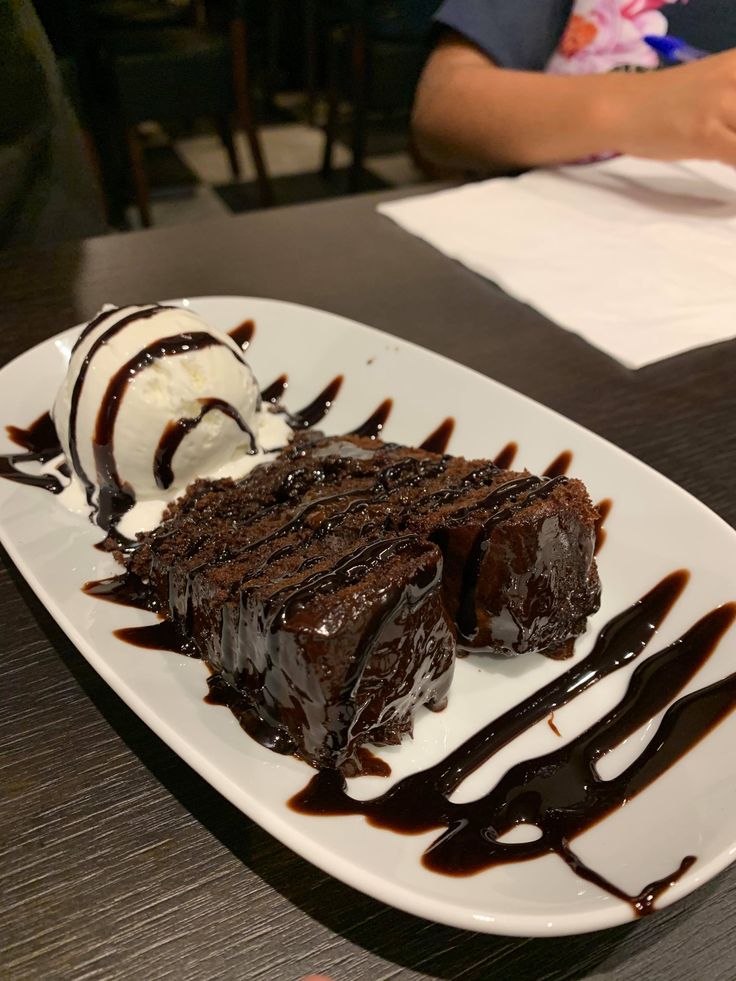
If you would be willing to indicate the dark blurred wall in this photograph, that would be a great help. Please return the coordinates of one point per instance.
(47, 188)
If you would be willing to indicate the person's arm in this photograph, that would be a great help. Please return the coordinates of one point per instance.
(471, 115)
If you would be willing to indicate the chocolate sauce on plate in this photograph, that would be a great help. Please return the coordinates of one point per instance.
(162, 636)
(604, 509)
(243, 333)
(273, 392)
(560, 465)
(126, 590)
(374, 424)
(438, 441)
(41, 444)
(39, 438)
(506, 457)
(318, 408)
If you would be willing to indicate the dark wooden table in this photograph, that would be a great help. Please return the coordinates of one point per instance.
(117, 860)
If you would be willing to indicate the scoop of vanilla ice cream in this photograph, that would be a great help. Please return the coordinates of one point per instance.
(153, 398)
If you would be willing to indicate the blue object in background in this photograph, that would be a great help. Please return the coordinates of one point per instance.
(674, 49)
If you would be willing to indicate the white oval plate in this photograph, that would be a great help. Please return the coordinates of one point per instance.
(654, 527)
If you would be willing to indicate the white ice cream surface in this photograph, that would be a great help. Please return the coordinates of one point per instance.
(171, 388)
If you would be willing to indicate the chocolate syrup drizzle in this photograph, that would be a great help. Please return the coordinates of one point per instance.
(560, 465)
(272, 393)
(41, 444)
(116, 497)
(374, 424)
(438, 441)
(507, 455)
(101, 318)
(604, 509)
(172, 437)
(243, 333)
(318, 408)
(560, 793)
(99, 343)
(125, 589)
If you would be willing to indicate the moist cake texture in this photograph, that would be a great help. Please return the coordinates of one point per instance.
(332, 587)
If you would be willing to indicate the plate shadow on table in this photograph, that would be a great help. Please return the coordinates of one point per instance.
(407, 941)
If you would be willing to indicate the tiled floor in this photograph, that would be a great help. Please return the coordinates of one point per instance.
(196, 183)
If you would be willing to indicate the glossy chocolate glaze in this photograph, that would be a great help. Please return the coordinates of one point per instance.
(507, 455)
(271, 737)
(281, 643)
(504, 502)
(560, 465)
(273, 392)
(560, 793)
(243, 333)
(172, 437)
(41, 444)
(438, 441)
(363, 763)
(374, 424)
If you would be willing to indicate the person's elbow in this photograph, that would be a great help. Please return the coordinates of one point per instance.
(431, 123)
(444, 114)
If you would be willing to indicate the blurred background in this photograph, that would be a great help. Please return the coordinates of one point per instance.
(191, 109)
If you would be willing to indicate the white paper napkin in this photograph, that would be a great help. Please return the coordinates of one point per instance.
(637, 257)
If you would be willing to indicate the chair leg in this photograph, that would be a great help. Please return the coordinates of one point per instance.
(140, 178)
(311, 43)
(245, 110)
(334, 44)
(225, 131)
(360, 102)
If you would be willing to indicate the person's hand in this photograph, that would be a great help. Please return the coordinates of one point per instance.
(679, 113)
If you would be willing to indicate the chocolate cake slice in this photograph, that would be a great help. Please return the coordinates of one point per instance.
(330, 587)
